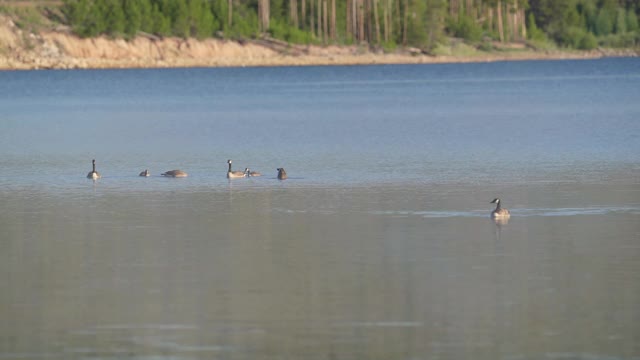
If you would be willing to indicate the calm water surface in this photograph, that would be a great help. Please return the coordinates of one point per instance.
(378, 246)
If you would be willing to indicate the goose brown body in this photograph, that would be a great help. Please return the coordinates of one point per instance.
(234, 174)
(499, 212)
(175, 173)
(251, 173)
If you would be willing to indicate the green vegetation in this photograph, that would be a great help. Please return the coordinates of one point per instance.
(383, 24)
(586, 24)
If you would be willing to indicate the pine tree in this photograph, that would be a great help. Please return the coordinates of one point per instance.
(632, 20)
(115, 21)
(133, 16)
(161, 23)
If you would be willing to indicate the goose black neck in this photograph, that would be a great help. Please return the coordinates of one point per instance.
(498, 205)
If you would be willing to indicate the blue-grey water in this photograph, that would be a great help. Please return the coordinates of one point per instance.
(378, 246)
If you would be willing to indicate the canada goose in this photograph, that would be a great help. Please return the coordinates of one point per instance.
(499, 212)
(145, 173)
(281, 174)
(175, 173)
(251, 173)
(93, 174)
(234, 174)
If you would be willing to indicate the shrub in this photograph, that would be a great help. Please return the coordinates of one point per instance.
(588, 42)
(620, 40)
(572, 36)
(389, 46)
(466, 28)
(283, 31)
(485, 46)
(533, 31)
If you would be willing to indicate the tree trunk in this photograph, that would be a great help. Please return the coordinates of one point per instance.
(303, 13)
(349, 26)
(405, 17)
(293, 12)
(368, 21)
(333, 21)
(320, 35)
(361, 27)
(377, 21)
(263, 14)
(386, 23)
(397, 20)
(325, 19)
(523, 23)
(356, 15)
(230, 12)
(312, 18)
(500, 25)
(516, 21)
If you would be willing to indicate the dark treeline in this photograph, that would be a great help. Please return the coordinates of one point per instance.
(583, 24)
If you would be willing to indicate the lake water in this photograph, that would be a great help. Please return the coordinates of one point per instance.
(378, 246)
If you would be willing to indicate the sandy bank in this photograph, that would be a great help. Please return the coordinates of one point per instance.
(62, 50)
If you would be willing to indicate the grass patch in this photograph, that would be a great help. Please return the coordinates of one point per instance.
(543, 45)
(454, 48)
(26, 18)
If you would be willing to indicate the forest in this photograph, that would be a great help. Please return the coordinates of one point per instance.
(385, 24)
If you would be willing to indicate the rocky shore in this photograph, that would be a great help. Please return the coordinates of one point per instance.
(59, 49)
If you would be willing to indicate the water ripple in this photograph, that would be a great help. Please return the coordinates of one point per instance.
(523, 212)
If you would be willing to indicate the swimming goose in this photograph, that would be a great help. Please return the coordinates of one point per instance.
(251, 173)
(145, 173)
(234, 174)
(281, 174)
(175, 173)
(93, 174)
(499, 212)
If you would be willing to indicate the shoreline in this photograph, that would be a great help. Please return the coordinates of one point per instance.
(59, 49)
(31, 62)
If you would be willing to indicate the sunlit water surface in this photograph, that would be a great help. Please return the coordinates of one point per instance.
(378, 246)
